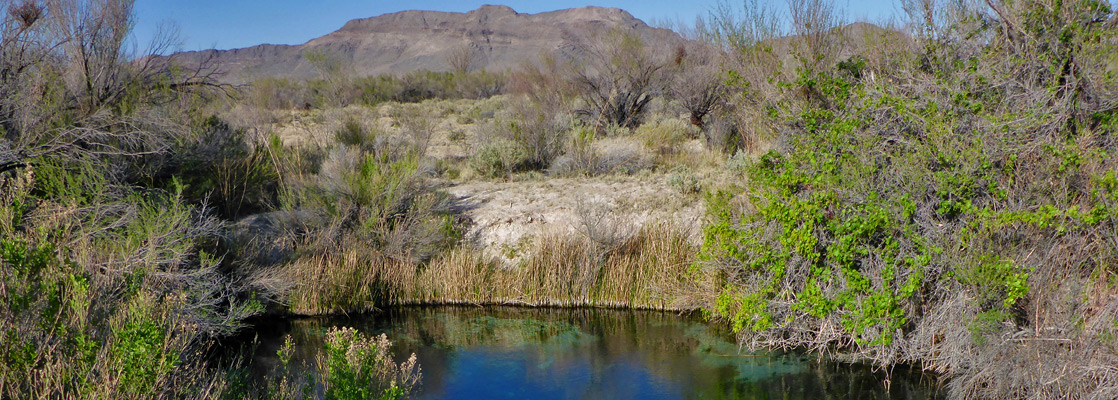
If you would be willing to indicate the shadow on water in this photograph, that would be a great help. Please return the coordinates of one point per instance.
(508, 352)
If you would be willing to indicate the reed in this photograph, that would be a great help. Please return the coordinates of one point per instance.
(649, 270)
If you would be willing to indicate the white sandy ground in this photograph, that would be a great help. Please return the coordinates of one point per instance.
(508, 215)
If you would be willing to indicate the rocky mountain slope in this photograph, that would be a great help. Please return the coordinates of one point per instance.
(496, 38)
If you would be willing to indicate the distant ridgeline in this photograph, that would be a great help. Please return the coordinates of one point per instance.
(491, 38)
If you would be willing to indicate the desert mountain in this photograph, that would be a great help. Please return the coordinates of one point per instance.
(497, 38)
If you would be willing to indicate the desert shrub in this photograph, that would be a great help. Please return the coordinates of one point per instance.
(457, 136)
(378, 89)
(480, 84)
(345, 90)
(369, 200)
(725, 133)
(540, 132)
(277, 94)
(352, 133)
(75, 328)
(528, 139)
(580, 157)
(422, 85)
(666, 136)
(623, 158)
(619, 78)
(416, 124)
(586, 155)
(684, 181)
(112, 275)
(905, 221)
(382, 202)
(220, 165)
(499, 159)
(738, 163)
(355, 366)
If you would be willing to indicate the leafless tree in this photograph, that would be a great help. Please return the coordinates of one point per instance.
(813, 24)
(545, 82)
(336, 70)
(462, 58)
(747, 37)
(66, 73)
(738, 31)
(620, 76)
(697, 81)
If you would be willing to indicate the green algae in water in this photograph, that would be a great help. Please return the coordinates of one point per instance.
(715, 351)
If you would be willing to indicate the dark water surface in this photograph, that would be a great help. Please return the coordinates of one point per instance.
(521, 353)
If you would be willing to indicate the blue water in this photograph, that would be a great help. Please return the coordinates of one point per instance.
(519, 353)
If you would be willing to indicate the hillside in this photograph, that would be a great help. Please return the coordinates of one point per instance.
(498, 37)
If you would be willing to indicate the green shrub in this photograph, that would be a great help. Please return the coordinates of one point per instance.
(909, 187)
(142, 353)
(217, 164)
(353, 133)
(499, 158)
(666, 136)
(998, 283)
(355, 366)
(684, 181)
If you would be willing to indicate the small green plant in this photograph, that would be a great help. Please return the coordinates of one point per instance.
(286, 351)
(999, 283)
(985, 324)
(499, 158)
(355, 366)
(353, 133)
(684, 181)
(738, 163)
(143, 356)
(457, 136)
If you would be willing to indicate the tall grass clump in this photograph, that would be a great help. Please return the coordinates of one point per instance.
(649, 268)
(646, 268)
(939, 200)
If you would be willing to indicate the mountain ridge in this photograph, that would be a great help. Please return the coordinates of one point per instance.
(497, 36)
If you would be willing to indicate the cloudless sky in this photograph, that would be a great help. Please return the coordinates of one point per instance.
(227, 24)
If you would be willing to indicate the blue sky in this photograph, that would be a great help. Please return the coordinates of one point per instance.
(204, 24)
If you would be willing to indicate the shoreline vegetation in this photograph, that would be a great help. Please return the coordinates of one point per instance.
(650, 270)
(940, 191)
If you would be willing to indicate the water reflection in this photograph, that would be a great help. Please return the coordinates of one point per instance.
(506, 353)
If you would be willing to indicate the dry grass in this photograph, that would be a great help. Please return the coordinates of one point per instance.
(651, 269)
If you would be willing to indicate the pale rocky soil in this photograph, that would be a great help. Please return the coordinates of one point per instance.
(508, 214)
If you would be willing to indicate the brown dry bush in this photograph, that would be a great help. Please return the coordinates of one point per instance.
(697, 81)
(621, 74)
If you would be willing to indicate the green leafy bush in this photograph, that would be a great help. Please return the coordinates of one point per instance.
(918, 191)
(499, 159)
(355, 366)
